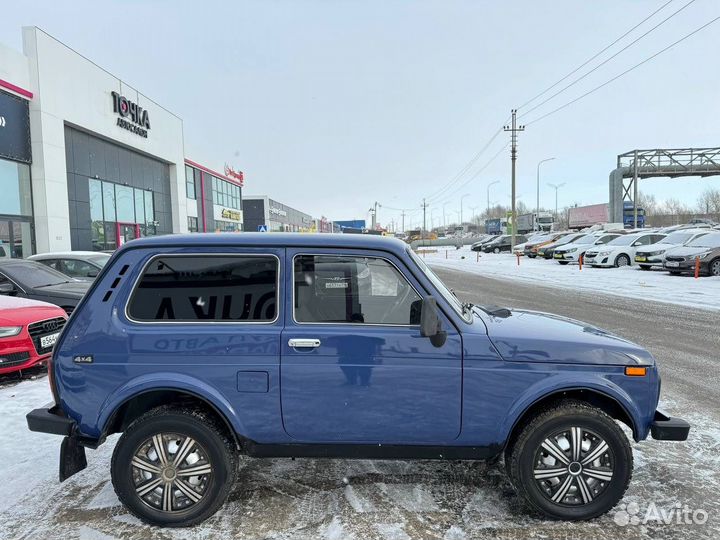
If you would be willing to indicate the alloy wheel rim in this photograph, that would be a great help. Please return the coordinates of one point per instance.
(622, 260)
(171, 472)
(573, 467)
(715, 270)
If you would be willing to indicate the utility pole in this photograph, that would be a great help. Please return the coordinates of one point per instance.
(402, 214)
(374, 215)
(513, 129)
(424, 207)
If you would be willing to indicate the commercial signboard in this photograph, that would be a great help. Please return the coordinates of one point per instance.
(14, 128)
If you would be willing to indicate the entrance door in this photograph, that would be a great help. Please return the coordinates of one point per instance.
(354, 367)
(15, 238)
(127, 232)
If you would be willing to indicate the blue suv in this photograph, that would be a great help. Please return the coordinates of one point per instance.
(200, 347)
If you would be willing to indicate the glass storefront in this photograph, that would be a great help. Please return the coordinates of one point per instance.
(16, 234)
(119, 213)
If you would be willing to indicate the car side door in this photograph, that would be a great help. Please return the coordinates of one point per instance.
(354, 366)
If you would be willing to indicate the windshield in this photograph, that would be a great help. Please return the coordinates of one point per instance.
(678, 237)
(440, 286)
(567, 239)
(545, 219)
(587, 239)
(33, 275)
(711, 240)
(99, 260)
(623, 240)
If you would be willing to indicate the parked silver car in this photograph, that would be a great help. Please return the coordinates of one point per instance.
(82, 265)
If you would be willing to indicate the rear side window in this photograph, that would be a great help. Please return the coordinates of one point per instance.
(204, 288)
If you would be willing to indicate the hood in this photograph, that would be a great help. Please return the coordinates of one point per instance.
(530, 336)
(21, 311)
(688, 251)
(72, 289)
(658, 246)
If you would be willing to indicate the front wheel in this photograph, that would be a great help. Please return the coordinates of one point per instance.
(496, 250)
(622, 260)
(571, 462)
(714, 267)
(173, 467)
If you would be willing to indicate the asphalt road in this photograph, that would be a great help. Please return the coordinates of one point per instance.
(345, 499)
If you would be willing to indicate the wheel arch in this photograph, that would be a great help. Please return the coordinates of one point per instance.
(136, 399)
(613, 406)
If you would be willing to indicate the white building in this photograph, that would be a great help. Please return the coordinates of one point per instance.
(87, 160)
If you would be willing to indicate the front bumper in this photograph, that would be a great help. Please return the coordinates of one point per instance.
(666, 428)
(652, 260)
(51, 419)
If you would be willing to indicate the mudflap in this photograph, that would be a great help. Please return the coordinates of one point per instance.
(72, 458)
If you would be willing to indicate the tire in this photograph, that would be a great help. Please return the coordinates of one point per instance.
(563, 262)
(496, 250)
(622, 260)
(527, 455)
(532, 255)
(210, 449)
(644, 267)
(714, 268)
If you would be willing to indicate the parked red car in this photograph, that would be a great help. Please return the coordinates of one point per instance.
(28, 331)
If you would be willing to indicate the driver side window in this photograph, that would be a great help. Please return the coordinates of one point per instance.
(356, 290)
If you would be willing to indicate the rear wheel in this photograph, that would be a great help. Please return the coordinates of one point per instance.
(496, 250)
(571, 462)
(563, 262)
(622, 260)
(173, 467)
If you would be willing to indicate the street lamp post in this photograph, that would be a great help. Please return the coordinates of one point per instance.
(556, 187)
(444, 220)
(537, 207)
(461, 208)
(488, 196)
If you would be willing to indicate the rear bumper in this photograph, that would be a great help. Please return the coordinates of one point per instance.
(666, 428)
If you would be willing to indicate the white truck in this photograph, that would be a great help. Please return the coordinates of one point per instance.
(542, 221)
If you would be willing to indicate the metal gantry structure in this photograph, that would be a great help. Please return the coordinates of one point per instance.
(655, 163)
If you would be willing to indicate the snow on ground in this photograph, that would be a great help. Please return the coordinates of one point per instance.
(630, 282)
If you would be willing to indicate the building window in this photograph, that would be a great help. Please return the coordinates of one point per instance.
(225, 194)
(192, 224)
(226, 226)
(190, 183)
(112, 203)
(207, 288)
(15, 188)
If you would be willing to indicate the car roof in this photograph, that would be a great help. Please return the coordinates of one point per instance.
(54, 254)
(252, 239)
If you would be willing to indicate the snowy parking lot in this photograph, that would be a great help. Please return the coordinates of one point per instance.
(630, 282)
(363, 499)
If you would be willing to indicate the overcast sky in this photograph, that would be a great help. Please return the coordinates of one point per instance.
(329, 106)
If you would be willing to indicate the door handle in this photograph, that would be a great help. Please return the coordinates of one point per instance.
(304, 343)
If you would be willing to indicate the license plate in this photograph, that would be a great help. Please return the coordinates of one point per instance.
(672, 264)
(558, 255)
(640, 259)
(49, 340)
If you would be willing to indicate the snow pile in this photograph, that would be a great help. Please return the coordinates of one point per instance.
(629, 282)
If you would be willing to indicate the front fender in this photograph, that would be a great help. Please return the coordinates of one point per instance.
(563, 382)
(168, 381)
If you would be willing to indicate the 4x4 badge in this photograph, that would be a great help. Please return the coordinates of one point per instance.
(83, 359)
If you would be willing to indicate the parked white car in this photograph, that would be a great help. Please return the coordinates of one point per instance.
(654, 254)
(568, 253)
(621, 250)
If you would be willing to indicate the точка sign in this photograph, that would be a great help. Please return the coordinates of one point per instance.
(132, 117)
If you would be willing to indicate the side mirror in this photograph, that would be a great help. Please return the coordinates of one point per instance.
(93, 273)
(430, 324)
(8, 289)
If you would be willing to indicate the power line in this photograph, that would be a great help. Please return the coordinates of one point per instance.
(466, 168)
(596, 55)
(607, 60)
(474, 176)
(625, 72)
